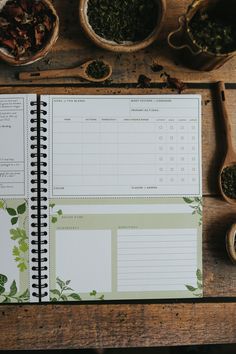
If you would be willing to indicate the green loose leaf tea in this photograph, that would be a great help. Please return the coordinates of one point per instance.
(214, 30)
(228, 181)
(97, 69)
(123, 20)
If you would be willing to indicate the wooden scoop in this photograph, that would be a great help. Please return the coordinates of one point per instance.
(79, 71)
(230, 157)
(231, 243)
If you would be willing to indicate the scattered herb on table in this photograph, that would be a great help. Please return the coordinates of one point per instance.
(156, 67)
(214, 30)
(228, 181)
(25, 27)
(174, 83)
(123, 20)
(144, 81)
(97, 69)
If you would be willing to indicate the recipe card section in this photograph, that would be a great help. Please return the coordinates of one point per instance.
(13, 145)
(125, 146)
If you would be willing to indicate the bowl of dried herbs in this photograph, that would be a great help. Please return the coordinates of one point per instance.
(28, 30)
(206, 37)
(122, 25)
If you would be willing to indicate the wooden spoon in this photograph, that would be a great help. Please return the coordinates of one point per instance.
(230, 157)
(231, 243)
(78, 71)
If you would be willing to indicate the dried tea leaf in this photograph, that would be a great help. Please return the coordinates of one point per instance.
(156, 67)
(174, 83)
(144, 81)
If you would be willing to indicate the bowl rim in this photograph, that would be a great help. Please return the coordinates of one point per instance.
(43, 51)
(117, 47)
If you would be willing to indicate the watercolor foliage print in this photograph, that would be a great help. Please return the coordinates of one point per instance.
(196, 205)
(64, 292)
(17, 212)
(197, 289)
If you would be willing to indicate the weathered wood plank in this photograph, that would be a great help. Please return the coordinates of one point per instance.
(72, 47)
(122, 325)
(219, 273)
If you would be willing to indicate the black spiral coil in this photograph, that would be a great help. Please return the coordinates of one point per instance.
(38, 190)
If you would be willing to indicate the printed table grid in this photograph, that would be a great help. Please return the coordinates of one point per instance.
(131, 156)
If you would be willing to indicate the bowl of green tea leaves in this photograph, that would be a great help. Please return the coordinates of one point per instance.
(122, 25)
(213, 27)
(28, 30)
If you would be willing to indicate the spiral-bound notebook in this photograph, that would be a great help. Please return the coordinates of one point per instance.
(100, 197)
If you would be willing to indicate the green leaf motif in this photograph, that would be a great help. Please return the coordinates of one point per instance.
(64, 297)
(199, 274)
(55, 292)
(16, 251)
(21, 209)
(190, 288)
(75, 296)
(3, 279)
(54, 219)
(23, 246)
(51, 205)
(18, 234)
(59, 212)
(13, 289)
(1, 204)
(188, 200)
(60, 283)
(200, 287)
(11, 211)
(14, 220)
(25, 295)
(93, 293)
(22, 266)
(2, 289)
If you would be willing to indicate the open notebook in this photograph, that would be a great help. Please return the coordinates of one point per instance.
(100, 197)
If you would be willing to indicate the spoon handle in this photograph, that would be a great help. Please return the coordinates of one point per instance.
(227, 124)
(49, 74)
(231, 243)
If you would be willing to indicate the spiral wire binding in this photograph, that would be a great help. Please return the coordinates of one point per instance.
(38, 200)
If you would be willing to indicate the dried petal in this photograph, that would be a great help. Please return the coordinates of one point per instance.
(176, 83)
(3, 22)
(10, 43)
(13, 10)
(47, 23)
(39, 33)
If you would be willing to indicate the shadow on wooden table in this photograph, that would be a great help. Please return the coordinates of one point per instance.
(205, 349)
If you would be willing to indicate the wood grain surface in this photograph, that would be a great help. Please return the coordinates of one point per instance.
(152, 323)
(73, 47)
(119, 325)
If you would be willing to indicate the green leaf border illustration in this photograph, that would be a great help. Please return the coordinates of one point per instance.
(56, 215)
(65, 293)
(196, 205)
(11, 296)
(20, 249)
(196, 290)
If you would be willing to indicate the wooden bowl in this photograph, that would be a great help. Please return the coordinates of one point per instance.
(26, 60)
(126, 46)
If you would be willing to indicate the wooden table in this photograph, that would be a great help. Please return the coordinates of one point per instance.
(147, 323)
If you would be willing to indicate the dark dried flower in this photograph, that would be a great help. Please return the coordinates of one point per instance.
(144, 81)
